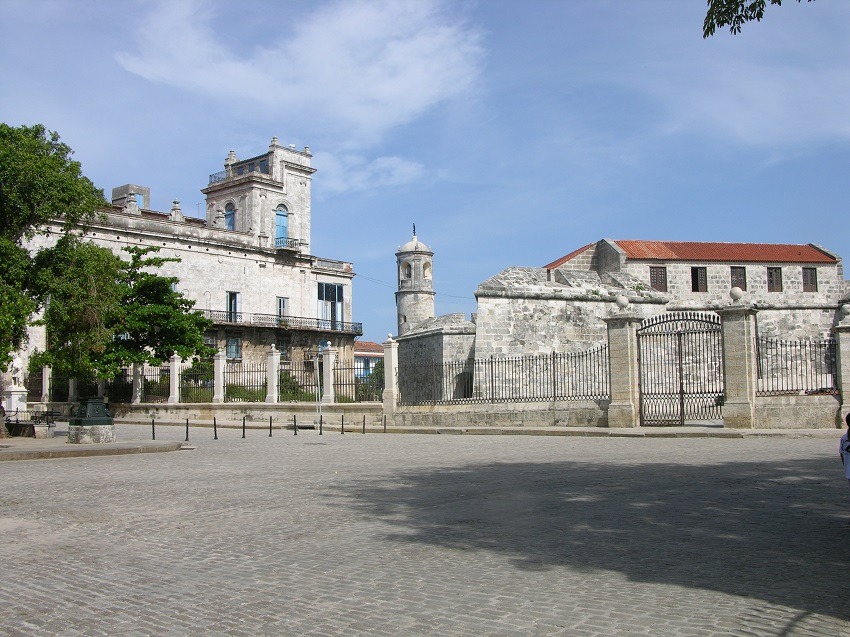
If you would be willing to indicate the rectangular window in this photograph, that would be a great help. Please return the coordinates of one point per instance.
(699, 280)
(658, 278)
(234, 307)
(739, 277)
(330, 305)
(810, 279)
(210, 340)
(774, 279)
(234, 347)
(282, 304)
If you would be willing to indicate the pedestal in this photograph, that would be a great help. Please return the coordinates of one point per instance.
(15, 399)
(92, 424)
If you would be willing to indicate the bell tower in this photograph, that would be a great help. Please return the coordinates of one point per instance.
(415, 297)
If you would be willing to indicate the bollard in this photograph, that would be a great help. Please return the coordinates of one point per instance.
(215, 430)
(342, 424)
(270, 426)
(187, 430)
(243, 426)
(153, 430)
(385, 423)
(320, 425)
(364, 423)
(294, 425)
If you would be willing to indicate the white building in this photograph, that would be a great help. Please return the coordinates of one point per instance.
(247, 265)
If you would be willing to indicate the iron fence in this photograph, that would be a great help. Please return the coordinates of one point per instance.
(35, 387)
(796, 367)
(351, 387)
(58, 388)
(568, 376)
(197, 382)
(245, 383)
(120, 388)
(156, 384)
(298, 381)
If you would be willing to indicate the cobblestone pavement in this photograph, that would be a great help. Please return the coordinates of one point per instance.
(429, 535)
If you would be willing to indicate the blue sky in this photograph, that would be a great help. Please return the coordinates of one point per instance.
(510, 133)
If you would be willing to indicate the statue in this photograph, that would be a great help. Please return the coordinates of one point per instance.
(17, 371)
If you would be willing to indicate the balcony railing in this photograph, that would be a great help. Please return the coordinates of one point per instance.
(286, 243)
(285, 322)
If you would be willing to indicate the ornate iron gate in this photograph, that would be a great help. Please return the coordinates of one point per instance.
(680, 356)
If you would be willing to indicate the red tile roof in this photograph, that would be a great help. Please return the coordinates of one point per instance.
(738, 252)
(567, 257)
(368, 347)
(705, 251)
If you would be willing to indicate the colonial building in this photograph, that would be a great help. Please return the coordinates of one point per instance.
(247, 265)
(561, 306)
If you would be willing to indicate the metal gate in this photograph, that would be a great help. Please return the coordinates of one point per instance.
(680, 356)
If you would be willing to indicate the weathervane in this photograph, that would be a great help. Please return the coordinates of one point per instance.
(414, 229)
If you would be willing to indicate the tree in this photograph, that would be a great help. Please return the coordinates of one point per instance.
(38, 182)
(157, 320)
(103, 313)
(79, 285)
(734, 13)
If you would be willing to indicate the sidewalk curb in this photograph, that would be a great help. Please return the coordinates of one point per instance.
(65, 450)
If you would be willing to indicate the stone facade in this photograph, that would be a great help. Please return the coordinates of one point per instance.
(256, 281)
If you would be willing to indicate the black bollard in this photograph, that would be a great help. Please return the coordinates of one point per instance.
(320, 425)
(385, 423)
(243, 426)
(270, 426)
(153, 430)
(187, 430)
(215, 429)
(342, 424)
(364, 424)
(294, 425)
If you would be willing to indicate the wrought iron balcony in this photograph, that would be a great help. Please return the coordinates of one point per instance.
(286, 243)
(301, 323)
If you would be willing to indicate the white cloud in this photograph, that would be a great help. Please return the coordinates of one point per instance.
(353, 172)
(357, 68)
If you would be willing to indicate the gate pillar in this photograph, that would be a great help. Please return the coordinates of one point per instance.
(842, 337)
(740, 365)
(624, 410)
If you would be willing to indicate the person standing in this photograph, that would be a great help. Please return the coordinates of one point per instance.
(844, 451)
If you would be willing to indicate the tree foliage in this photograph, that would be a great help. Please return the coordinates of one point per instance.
(38, 182)
(103, 313)
(734, 13)
(79, 285)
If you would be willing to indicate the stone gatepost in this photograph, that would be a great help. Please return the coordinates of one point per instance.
(72, 390)
(272, 374)
(136, 387)
(740, 365)
(174, 379)
(390, 395)
(624, 410)
(842, 363)
(328, 362)
(219, 363)
(46, 379)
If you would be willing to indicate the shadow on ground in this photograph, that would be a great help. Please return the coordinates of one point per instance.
(776, 533)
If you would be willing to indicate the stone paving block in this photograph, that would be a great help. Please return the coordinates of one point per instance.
(429, 535)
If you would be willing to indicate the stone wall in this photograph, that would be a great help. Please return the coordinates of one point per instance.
(558, 414)
(797, 412)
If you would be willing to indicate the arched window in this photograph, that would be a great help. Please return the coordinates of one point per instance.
(426, 270)
(281, 229)
(230, 216)
(406, 271)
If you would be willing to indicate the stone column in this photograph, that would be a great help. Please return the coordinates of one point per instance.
(842, 363)
(219, 362)
(72, 390)
(136, 387)
(740, 365)
(46, 379)
(328, 361)
(390, 395)
(272, 375)
(624, 410)
(174, 379)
